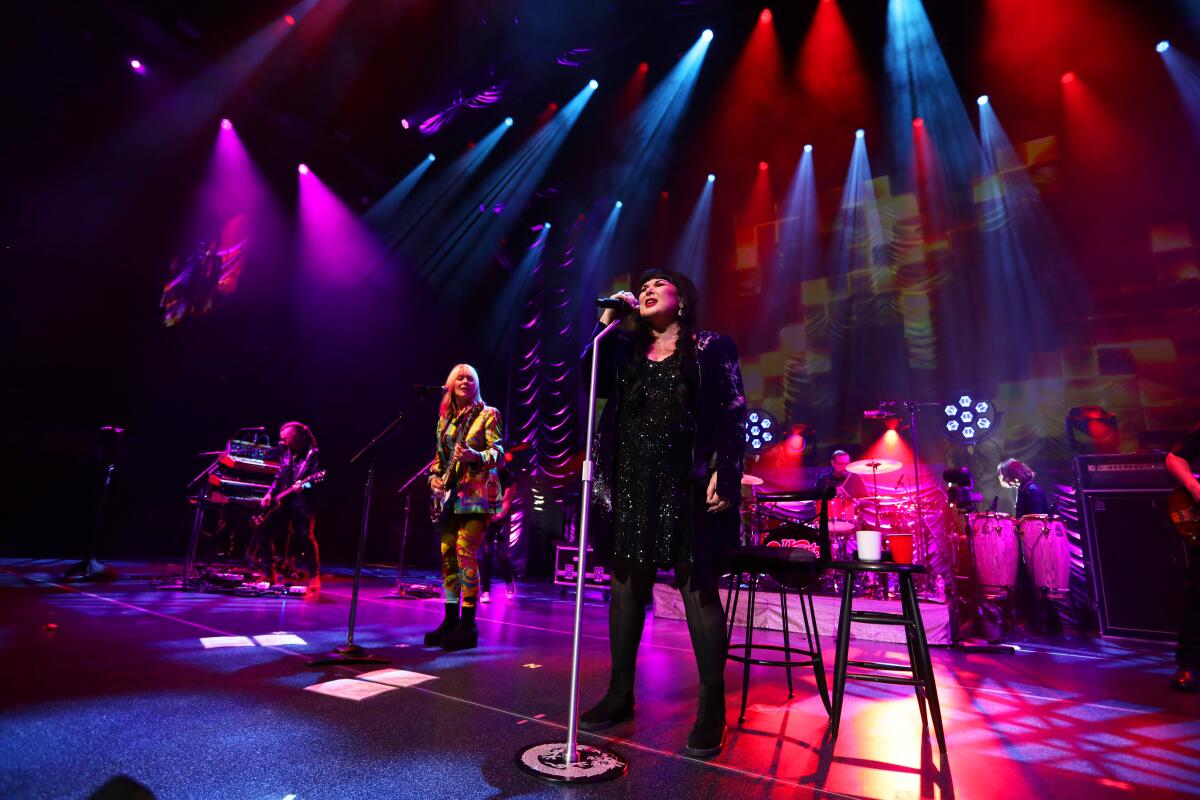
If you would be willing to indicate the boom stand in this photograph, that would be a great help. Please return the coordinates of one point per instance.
(402, 590)
(351, 653)
(571, 762)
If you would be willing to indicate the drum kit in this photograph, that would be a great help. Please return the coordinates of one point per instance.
(997, 541)
(769, 515)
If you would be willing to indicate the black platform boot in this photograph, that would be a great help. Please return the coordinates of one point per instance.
(434, 637)
(465, 635)
(615, 707)
(708, 735)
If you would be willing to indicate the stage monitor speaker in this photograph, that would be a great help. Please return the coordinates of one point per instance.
(1138, 562)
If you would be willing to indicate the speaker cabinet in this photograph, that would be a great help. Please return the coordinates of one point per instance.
(1138, 563)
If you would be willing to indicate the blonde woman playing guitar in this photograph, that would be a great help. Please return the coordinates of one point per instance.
(467, 492)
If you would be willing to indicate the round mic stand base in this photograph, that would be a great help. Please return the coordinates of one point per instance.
(347, 654)
(548, 761)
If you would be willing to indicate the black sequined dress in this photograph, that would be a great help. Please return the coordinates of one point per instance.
(655, 435)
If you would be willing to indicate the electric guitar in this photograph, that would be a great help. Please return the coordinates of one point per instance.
(441, 501)
(277, 501)
(1184, 513)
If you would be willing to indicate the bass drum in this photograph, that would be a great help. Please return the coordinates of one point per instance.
(1047, 552)
(994, 543)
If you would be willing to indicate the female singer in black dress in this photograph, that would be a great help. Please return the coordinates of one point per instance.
(668, 478)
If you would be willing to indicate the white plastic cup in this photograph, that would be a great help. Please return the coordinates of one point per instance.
(870, 545)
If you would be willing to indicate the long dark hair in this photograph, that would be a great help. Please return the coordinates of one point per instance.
(685, 346)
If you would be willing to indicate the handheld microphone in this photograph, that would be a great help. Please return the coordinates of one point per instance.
(613, 302)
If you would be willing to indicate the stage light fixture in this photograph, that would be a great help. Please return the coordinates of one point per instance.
(918, 123)
(1163, 46)
(226, 125)
(594, 84)
(969, 420)
(1068, 77)
(137, 66)
(289, 19)
(546, 225)
(808, 148)
(711, 177)
(302, 169)
(860, 133)
(508, 121)
(762, 165)
(707, 35)
(404, 124)
(619, 204)
(431, 157)
(761, 431)
(982, 100)
(643, 67)
(765, 16)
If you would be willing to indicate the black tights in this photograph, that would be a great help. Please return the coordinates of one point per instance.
(632, 591)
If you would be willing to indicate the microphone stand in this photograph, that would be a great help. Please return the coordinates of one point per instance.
(572, 762)
(402, 590)
(351, 653)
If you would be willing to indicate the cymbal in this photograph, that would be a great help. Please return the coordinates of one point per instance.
(874, 466)
(751, 480)
(881, 500)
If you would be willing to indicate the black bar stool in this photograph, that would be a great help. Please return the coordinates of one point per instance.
(791, 567)
(919, 664)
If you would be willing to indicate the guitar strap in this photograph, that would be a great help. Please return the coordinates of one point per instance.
(460, 436)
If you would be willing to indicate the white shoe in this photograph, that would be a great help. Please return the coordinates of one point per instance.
(486, 597)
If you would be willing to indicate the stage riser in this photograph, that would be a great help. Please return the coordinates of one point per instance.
(669, 605)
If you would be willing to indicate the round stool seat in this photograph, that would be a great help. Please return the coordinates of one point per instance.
(788, 566)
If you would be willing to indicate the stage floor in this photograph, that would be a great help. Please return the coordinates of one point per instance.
(183, 692)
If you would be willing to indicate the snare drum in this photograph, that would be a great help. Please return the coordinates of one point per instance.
(842, 517)
(1047, 553)
(994, 541)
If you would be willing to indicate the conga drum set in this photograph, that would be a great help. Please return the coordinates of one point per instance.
(999, 541)
(782, 515)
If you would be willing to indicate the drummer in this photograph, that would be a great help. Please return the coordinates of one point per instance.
(847, 483)
(1018, 477)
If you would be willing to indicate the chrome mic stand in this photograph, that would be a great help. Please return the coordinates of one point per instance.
(572, 762)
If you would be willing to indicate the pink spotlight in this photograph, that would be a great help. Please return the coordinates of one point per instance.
(302, 169)
(1068, 77)
(289, 19)
(226, 125)
(137, 66)
(765, 16)
(918, 123)
(404, 124)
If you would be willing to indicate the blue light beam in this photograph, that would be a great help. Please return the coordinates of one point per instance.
(482, 221)
(920, 85)
(691, 251)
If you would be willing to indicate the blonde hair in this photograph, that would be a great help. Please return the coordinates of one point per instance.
(449, 402)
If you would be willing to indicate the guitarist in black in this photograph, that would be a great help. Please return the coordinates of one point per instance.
(465, 484)
(1183, 455)
(295, 516)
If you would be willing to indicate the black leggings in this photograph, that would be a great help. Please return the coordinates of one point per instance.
(632, 591)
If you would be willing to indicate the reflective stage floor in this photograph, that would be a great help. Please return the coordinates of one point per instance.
(210, 696)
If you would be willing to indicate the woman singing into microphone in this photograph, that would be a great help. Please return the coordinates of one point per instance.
(464, 480)
(668, 474)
